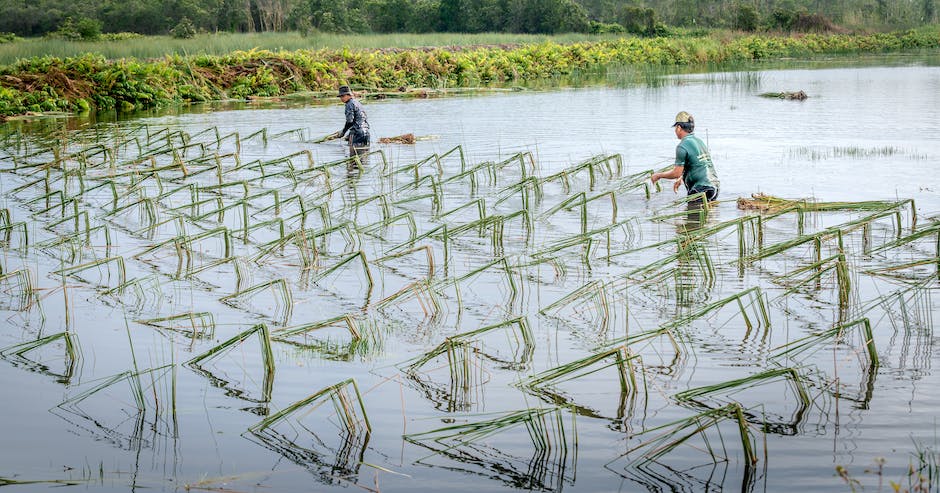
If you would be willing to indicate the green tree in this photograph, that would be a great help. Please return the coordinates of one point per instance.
(450, 16)
(184, 30)
(88, 29)
(746, 17)
(638, 20)
(882, 9)
(133, 16)
(340, 16)
(547, 17)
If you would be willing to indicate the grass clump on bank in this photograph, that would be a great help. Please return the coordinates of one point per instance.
(89, 81)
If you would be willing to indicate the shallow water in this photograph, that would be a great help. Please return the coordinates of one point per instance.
(866, 133)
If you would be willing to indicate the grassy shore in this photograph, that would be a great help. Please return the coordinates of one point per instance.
(148, 47)
(91, 81)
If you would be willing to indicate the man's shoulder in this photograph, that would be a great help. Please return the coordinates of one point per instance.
(692, 140)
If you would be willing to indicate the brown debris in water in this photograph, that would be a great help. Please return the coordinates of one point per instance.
(399, 139)
(763, 203)
(793, 96)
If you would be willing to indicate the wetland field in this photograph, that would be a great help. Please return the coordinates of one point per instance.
(206, 299)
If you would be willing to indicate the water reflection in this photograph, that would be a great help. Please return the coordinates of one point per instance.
(442, 237)
(550, 467)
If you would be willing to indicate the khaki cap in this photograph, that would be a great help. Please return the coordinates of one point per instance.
(683, 117)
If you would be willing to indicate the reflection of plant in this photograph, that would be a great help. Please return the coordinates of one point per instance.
(297, 431)
(221, 352)
(681, 432)
(922, 473)
(547, 437)
(23, 354)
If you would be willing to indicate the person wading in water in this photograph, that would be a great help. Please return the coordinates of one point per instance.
(693, 161)
(357, 124)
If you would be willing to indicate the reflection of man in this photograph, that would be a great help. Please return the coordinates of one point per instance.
(693, 162)
(357, 123)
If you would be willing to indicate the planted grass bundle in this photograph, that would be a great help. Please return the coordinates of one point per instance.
(339, 338)
(751, 395)
(516, 331)
(235, 367)
(44, 356)
(494, 447)
(197, 325)
(305, 431)
(131, 420)
(845, 356)
(16, 290)
(459, 360)
(682, 451)
(570, 384)
(836, 264)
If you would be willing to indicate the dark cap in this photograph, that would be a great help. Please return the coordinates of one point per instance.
(343, 91)
(683, 117)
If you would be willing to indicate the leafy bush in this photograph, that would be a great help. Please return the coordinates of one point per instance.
(746, 17)
(84, 29)
(184, 30)
(638, 20)
(783, 19)
(120, 36)
(816, 23)
(7, 38)
(604, 28)
(88, 29)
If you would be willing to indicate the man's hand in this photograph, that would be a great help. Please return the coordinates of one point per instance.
(654, 178)
(675, 186)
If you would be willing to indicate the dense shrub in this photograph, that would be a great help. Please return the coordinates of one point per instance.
(184, 30)
(604, 28)
(120, 36)
(84, 29)
(746, 17)
(801, 21)
(638, 20)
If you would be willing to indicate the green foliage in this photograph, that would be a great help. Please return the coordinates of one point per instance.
(184, 30)
(746, 17)
(120, 36)
(638, 20)
(604, 28)
(84, 29)
(389, 16)
(337, 16)
(92, 82)
(88, 29)
(7, 38)
(547, 16)
(644, 17)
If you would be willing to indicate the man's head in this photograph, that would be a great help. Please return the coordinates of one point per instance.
(685, 122)
(344, 93)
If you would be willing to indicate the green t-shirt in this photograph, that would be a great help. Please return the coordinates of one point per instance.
(698, 170)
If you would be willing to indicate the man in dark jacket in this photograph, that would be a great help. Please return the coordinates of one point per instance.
(357, 123)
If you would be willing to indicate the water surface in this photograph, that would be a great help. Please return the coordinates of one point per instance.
(866, 133)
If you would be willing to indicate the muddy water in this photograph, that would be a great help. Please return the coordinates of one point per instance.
(865, 133)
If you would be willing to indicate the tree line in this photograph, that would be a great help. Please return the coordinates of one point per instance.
(88, 18)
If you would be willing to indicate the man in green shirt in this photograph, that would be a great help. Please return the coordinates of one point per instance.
(693, 162)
